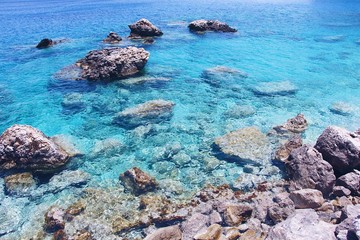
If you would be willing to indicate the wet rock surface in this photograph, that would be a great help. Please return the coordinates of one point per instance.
(210, 25)
(20, 184)
(282, 88)
(137, 181)
(144, 28)
(112, 38)
(285, 149)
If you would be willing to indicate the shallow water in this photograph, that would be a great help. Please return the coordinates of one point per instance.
(311, 44)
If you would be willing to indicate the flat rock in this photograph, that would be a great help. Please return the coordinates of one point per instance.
(331, 39)
(342, 108)
(166, 233)
(222, 75)
(112, 38)
(307, 169)
(244, 145)
(144, 28)
(212, 233)
(196, 223)
(340, 148)
(21, 184)
(154, 111)
(24, 147)
(350, 181)
(210, 25)
(240, 111)
(307, 198)
(275, 88)
(10, 216)
(137, 181)
(237, 214)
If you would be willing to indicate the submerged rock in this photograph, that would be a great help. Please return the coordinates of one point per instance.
(137, 181)
(210, 25)
(10, 216)
(144, 28)
(54, 219)
(283, 153)
(113, 63)
(154, 111)
(240, 111)
(112, 38)
(331, 39)
(244, 145)
(20, 184)
(46, 42)
(219, 75)
(307, 198)
(342, 108)
(166, 233)
(340, 148)
(73, 102)
(24, 147)
(66, 142)
(275, 88)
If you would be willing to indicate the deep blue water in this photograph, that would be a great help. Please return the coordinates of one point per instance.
(277, 41)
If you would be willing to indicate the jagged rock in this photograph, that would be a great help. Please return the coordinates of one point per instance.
(275, 88)
(340, 191)
(20, 184)
(244, 145)
(252, 234)
(46, 42)
(283, 153)
(350, 211)
(342, 108)
(350, 181)
(144, 28)
(113, 63)
(340, 148)
(303, 224)
(166, 233)
(296, 124)
(196, 223)
(153, 111)
(283, 207)
(54, 219)
(210, 25)
(236, 214)
(24, 147)
(307, 198)
(112, 38)
(137, 181)
(348, 229)
(307, 169)
(212, 233)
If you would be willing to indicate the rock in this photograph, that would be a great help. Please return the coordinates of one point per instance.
(73, 103)
(154, 111)
(307, 198)
(342, 108)
(24, 147)
(330, 39)
(340, 148)
(340, 191)
(137, 181)
(275, 88)
(350, 181)
(144, 79)
(350, 211)
(283, 153)
(112, 38)
(236, 214)
(21, 184)
(222, 75)
(212, 233)
(54, 219)
(215, 217)
(240, 111)
(297, 124)
(66, 179)
(166, 233)
(244, 145)
(210, 25)
(252, 234)
(307, 169)
(196, 223)
(348, 229)
(11, 216)
(113, 63)
(248, 181)
(144, 28)
(282, 208)
(107, 147)
(46, 42)
(303, 224)
(67, 143)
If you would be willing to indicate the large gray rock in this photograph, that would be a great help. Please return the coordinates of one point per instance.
(166, 233)
(113, 63)
(154, 111)
(144, 28)
(303, 224)
(244, 145)
(340, 148)
(210, 25)
(24, 147)
(307, 198)
(350, 181)
(307, 169)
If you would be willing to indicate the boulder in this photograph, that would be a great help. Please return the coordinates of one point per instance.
(349, 229)
(222, 76)
(54, 219)
(66, 142)
(297, 124)
(210, 25)
(24, 147)
(283, 153)
(244, 145)
(307, 198)
(340, 191)
(281, 88)
(154, 111)
(73, 103)
(144, 28)
(46, 42)
(137, 181)
(340, 148)
(307, 169)
(113, 63)
(112, 38)
(303, 224)
(198, 222)
(282, 208)
(236, 214)
(240, 111)
(212, 233)
(350, 181)
(166, 233)
(20, 184)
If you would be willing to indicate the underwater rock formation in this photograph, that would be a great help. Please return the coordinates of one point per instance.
(275, 88)
(144, 28)
(24, 147)
(113, 63)
(46, 42)
(137, 181)
(283, 153)
(342, 108)
(210, 25)
(222, 75)
(112, 38)
(20, 184)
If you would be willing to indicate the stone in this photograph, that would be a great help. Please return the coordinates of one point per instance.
(24, 147)
(66, 179)
(244, 145)
(54, 219)
(73, 102)
(350, 181)
(236, 214)
(154, 111)
(20, 184)
(222, 76)
(282, 208)
(213, 232)
(166, 233)
(210, 25)
(307, 198)
(112, 63)
(252, 234)
(340, 191)
(107, 147)
(297, 124)
(66, 142)
(283, 152)
(137, 181)
(350, 211)
(248, 181)
(342, 108)
(112, 38)
(46, 43)
(340, 148)
(348, 229)
(196, 223)
(144, 28)
(307, 169)
(11, 216)
(215, 217)
(303, 224)
(281, 88)
(240, 111)
(331, 39)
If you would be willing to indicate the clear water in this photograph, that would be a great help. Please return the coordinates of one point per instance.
(277, 40)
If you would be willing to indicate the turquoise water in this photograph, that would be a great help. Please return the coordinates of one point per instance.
(312, 44)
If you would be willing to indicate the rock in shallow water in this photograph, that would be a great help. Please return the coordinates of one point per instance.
(46, 42)
(210, 25)
(342, 108)
(20, 184)
(24, 147)
(137, 181)
(275, 88)
(112, 38)
(144, 28)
